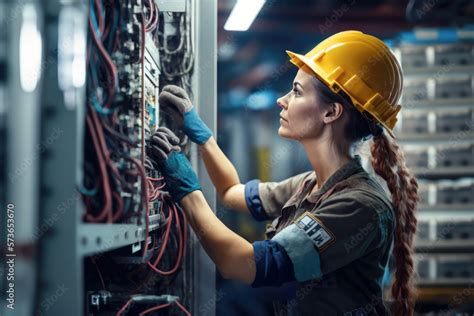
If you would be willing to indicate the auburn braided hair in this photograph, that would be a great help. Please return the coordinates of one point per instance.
(388, 162)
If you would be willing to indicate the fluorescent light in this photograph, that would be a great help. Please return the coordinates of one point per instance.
(243, 14)
(30, 49)
(72, 48)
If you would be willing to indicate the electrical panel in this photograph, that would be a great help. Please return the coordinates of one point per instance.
(82, 80)
(120, 184)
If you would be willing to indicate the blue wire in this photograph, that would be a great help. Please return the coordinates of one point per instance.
(94, 19)
(95, 103)
(112, 30)
(93, 73)
(86, 191)
(99, 108)
(93, 97)
(126, 206)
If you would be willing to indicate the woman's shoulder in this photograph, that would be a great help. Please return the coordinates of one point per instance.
(365, 189)
(363, 203)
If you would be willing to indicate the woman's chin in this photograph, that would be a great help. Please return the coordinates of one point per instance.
(283, 132)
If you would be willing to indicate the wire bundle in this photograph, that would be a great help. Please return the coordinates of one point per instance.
(112, 168)
(152, 19)
(177, 51)
(115, 186)
(173, 216)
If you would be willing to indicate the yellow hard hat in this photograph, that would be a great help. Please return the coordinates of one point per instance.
(363, 67)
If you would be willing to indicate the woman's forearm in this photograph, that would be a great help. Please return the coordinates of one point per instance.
(221, 171)
(232, 254)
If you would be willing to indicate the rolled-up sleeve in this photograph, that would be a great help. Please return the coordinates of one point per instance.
(273, 266)
(254, 202)
(266, 199)
(301, 251)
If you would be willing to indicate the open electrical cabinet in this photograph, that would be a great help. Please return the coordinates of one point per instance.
(107, 238)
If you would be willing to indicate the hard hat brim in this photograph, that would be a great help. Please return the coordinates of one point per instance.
(301, 60)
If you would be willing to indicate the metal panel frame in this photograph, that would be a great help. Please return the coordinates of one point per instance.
(22, 153)
(60, 265)
(205, 88)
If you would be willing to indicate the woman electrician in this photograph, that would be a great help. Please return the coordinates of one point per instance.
(334, 227)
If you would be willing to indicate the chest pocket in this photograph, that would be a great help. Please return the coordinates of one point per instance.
(288, 209)
(290, 213)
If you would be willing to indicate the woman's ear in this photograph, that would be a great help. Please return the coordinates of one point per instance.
(333, 112)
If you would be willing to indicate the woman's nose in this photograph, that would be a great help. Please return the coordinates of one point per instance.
(280, 103)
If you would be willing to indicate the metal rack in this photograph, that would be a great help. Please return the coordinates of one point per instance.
(437, 134)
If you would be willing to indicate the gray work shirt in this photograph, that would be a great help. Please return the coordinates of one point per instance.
(339, 239)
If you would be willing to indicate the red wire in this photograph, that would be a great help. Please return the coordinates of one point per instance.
(151, 18)
(166, 236)
(105, 178)
(155, 191)
(182, 237)
(153, 21)
(141, 171)
(98, 136)
(105, 151)
(185, 233)
(156, 18)
(147, 277)
(108, 26)
(124, 307)
(153, 309)
(108, 61)
(150, 185)
(181, 307)
(99, 273)
(119, 211)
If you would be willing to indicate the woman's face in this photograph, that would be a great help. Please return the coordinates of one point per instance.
(302, 111)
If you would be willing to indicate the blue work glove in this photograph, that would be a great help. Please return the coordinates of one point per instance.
(175, 101)
(175, 167)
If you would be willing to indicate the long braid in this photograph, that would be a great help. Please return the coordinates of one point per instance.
(388, 161)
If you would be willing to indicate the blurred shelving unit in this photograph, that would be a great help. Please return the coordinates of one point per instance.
(436, 132)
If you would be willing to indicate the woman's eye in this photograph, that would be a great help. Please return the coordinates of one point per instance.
(295, 92)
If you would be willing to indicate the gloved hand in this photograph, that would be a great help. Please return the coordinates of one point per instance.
(162, 143)
(175, 167)
(176, 100)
